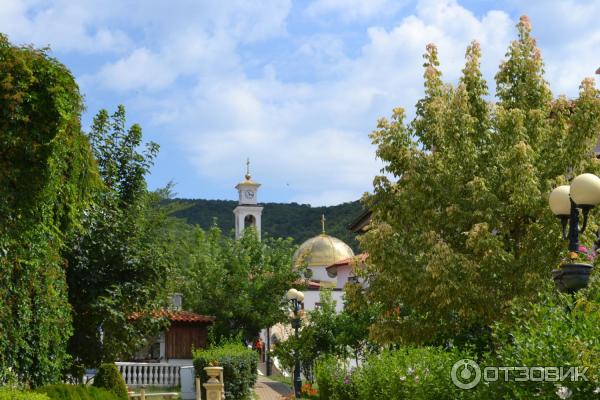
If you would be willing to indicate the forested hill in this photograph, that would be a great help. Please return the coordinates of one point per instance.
(298, 221)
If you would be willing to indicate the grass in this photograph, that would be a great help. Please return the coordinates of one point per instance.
(282, 379)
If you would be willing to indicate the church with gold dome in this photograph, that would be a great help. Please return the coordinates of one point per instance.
(328, 260)
(318, 254)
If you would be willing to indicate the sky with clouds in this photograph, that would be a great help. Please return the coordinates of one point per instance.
(295, 85)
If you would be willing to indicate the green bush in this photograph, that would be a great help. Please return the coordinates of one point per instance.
(109, 378)
(239, 367)
(408, 373)
(335, 380)
(13, 394)
(76, 392)
(556, 333)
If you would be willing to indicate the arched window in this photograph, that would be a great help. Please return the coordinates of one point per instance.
(249, 221)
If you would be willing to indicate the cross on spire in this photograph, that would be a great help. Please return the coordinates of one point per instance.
(248, 169)
(323, 222)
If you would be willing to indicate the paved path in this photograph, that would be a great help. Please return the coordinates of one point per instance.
(266, 389)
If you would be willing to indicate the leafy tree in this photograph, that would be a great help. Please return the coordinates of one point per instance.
(46, 176)
(241, 282)
(461, 226)
(326, 332)
(119, 262)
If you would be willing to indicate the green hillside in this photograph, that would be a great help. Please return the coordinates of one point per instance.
(298, 221)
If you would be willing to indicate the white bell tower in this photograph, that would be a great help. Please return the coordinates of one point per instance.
(248, 212)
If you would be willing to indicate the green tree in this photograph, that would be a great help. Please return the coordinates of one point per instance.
(119, 262)
(46, 176)
(326, 332)
(461, 226)
(241, 282)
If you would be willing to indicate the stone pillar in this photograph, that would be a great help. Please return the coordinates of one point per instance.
(186, 376)
(214, 388)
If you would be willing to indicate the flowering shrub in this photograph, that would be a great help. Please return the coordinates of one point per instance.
(583, 255)
(308, 391)
(334, 380)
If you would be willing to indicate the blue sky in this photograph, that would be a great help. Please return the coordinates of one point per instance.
(295, 86)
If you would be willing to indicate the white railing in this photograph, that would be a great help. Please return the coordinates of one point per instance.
(149, 374)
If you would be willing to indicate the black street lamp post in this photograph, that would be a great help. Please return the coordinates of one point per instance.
(296, 297)
(565, 202)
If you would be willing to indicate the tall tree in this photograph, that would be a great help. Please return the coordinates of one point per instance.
(46, 176)
(461, 225)
(118, 265)
(241, 282)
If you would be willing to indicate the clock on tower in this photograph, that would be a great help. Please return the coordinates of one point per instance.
(248, 212)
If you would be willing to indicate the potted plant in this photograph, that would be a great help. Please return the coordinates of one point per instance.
(574, 271)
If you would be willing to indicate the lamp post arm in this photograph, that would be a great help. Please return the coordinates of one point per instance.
(574, 227)
(585, 211)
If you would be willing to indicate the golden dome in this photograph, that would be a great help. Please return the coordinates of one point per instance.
(322, 250)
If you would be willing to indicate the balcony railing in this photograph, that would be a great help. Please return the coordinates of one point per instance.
(149, 374)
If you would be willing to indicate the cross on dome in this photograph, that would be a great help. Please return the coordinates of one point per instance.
(248, 169)
(323, 222)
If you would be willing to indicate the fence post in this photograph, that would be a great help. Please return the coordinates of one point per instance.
(198, 389)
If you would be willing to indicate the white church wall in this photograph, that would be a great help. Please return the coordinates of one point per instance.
(320, 273)
(312, 299)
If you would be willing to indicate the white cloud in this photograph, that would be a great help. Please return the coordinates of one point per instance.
(142, 69)
(216, 82)
(351, 10)
(64, 25)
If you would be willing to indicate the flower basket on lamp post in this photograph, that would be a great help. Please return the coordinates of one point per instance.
(569, 278)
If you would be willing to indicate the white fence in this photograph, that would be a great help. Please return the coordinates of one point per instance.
(149, 374)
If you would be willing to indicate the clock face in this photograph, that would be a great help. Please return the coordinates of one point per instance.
(249, 194)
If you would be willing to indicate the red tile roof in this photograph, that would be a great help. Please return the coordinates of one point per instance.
(187, 316)
(180, 316)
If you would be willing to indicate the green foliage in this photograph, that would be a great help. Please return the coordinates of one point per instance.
(119, 262)
(76, 392)
(558, 332)
(406, 373)
(241, 282)
(108, 377)
(46, 176)
(239, 367)
(327, 333)
(463, 228)
(13, 394)
(298, 221)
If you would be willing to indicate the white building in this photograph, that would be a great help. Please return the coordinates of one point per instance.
(248, 213)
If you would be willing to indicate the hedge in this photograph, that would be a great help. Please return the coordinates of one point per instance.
(109, 378)
(13, 394)
(239, 368)
(408, 373)
(76, 392)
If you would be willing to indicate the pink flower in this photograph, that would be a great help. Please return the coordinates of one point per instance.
(583, 249)
(590, 257)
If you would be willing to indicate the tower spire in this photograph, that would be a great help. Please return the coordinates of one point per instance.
(248, 169)
(323, 222)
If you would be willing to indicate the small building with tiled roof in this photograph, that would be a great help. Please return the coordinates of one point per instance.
(187, 330)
